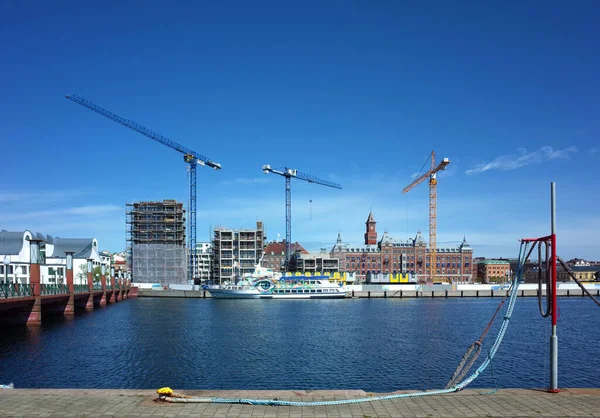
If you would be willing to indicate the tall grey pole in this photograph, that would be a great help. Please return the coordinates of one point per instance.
(553, 338)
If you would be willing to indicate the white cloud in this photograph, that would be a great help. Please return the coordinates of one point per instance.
(511, 162)
(593, 151)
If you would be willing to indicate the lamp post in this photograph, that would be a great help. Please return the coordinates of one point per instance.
(6, 263)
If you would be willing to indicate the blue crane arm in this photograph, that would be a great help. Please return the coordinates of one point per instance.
(145, 131)
(312, 179)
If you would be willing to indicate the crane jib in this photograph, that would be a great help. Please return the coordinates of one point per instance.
(190, 157)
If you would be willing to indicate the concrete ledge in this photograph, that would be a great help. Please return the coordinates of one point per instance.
(132, 403)
(148, 293)
(436, 294)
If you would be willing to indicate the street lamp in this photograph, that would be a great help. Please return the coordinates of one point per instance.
(6, 263)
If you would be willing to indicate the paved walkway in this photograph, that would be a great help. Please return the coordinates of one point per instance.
(133, 403)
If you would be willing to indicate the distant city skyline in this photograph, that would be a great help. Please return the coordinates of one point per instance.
(354, 93)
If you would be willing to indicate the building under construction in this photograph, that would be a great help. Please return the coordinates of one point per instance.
(156, 242)
(236, 251)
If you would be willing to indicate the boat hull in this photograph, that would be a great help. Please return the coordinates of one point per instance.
(305, 296)
(234, 294)
(254, 294)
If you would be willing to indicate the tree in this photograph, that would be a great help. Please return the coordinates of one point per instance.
(82, 273)
(96, 273)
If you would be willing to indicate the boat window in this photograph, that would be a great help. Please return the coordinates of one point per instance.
(319, 291)
(312, 291)
(287, 291)
(319, 282)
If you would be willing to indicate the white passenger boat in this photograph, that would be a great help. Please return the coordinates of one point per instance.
(266, 284)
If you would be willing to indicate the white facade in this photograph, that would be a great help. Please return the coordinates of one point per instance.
(203, 264)
(15, 251)
(15, 261)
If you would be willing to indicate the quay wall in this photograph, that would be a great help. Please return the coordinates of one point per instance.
(409, 291)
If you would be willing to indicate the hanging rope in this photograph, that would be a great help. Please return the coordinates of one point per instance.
(568, 270)
(544, 269)
(459, 386)
(472, 353)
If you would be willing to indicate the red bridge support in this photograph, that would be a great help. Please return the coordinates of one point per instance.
(35, 314)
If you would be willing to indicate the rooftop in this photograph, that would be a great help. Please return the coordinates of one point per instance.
(502, 262)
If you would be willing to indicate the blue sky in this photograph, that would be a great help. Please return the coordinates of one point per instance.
(353, 92)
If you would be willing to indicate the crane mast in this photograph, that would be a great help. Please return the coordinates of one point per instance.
(289, 173)
(192, 158)
(432, 175)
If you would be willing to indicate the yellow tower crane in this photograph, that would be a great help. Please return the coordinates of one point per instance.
(432, 208)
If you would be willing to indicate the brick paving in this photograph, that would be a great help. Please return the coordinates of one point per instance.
(141, 403)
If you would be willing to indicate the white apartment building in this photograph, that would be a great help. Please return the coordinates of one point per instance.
(236, 251)
(203, 264)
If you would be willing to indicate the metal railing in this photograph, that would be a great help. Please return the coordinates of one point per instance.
(54, 289)
(15, 290)
(97, 286)
(80, 288)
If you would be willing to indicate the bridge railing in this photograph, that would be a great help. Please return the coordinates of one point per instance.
(80, 288)
(15, 290)
(54, 289)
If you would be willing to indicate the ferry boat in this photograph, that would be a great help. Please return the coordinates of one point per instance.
(265, 284)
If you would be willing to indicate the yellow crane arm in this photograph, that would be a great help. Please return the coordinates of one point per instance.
(441, 166)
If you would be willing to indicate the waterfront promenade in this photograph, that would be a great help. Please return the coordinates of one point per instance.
(134, 403)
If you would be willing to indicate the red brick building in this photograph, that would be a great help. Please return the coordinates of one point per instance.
(409, 256)
(493, 270)
(275, 254)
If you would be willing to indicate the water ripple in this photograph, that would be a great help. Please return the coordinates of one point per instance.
(375, 345)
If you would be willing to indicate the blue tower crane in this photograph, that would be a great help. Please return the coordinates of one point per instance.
(192, 158)
(288, 173)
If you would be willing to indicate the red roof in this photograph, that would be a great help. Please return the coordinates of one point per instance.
(279, 248)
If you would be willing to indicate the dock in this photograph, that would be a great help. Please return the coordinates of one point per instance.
(373, 294)
(134, 403)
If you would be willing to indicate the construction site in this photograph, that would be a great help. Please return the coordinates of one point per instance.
(236, 251)
(156, 239)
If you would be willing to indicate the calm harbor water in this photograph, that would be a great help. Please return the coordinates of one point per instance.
(376, 345)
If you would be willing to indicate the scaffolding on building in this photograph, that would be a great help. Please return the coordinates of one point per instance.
(156, 248)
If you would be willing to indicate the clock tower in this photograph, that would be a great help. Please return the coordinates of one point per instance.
(371, 233)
